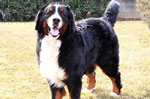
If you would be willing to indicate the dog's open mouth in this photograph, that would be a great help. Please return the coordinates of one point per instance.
(54, 31)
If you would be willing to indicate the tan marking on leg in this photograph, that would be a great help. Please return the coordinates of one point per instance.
(69, 96)
(115, 88)
(60, 94)
(113, 80)
(91, 80)
(66, 76)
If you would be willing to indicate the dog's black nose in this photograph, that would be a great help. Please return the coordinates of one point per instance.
(56, 20)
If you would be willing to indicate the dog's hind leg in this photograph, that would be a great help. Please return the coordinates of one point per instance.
(112, 71)
(115, 79)
(116, 82)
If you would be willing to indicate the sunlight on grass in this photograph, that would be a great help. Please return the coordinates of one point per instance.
(20, 77)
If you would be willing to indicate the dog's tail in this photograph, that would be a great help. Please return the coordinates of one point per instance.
(111, 12)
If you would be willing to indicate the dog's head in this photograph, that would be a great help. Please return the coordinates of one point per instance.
(55, 20)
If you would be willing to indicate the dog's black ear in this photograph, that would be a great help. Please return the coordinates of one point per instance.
(38, 19)
(71, 19)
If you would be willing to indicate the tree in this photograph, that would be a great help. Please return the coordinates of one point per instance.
(26, 10)
(87, 8)
(143, 8)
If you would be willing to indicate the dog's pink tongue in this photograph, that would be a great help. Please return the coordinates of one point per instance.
(55, 32)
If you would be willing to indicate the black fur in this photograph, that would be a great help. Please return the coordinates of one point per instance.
(89, 43)
(111, 12)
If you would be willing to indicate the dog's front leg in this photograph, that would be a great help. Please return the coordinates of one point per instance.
(57, 93)
(74, 86)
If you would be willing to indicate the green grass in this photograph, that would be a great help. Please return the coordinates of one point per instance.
(20, 77)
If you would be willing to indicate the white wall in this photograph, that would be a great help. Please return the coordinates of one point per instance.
(128, 10)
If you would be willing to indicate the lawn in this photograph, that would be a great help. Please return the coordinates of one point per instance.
(20, 77)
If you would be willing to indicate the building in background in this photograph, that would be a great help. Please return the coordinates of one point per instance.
(128, 10)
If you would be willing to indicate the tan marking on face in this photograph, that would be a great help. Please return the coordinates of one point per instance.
(64, 28)
(60, 94)
(45, 27)
(51, 9)
(91, 80)
(61, 10)
(115, 89)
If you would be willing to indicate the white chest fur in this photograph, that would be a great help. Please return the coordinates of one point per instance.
(49, 67)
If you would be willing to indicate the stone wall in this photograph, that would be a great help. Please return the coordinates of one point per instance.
(128, 10)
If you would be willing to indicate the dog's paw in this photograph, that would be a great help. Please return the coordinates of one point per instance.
(89, 90)
(114, 94)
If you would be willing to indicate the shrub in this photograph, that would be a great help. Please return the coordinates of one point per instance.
(87, 8)
(26, 10)
(21, 10)
(143, 8)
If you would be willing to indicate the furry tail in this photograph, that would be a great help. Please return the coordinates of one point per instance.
(111, 12)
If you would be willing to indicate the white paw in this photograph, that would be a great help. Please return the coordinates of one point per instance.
(89, 90)
(114, 94)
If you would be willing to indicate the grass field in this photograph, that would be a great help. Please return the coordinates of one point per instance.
(20, 77)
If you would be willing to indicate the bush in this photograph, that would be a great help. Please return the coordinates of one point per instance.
(26, 10)
(21, 10)
(143, 8)
(87, 8)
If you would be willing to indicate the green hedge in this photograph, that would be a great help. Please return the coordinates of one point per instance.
(88, 8)
(21, 10)
(26, 10)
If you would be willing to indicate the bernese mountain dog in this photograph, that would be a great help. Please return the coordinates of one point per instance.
(66, 51)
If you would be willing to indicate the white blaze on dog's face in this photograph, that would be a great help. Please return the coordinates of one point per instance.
(55, 21)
